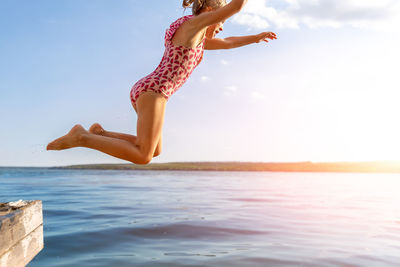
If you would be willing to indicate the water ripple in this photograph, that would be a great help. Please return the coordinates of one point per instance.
(129, 218)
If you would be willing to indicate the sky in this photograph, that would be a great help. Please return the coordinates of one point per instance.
(326, 90)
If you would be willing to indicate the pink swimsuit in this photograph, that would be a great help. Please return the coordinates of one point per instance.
(175, 67)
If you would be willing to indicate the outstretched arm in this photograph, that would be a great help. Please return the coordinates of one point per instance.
(221, 14)
(234, 42)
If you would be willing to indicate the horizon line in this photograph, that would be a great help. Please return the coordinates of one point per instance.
(258, 162)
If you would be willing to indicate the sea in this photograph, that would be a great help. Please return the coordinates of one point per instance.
(202, 218)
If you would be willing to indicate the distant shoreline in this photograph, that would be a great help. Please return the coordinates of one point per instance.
(363, 167)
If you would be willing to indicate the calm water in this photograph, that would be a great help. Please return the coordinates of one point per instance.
(146, 218)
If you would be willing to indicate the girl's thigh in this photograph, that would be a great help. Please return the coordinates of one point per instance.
(150, 108)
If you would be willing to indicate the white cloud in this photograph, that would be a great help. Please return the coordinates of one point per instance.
(383, 15)
(230, 90)
(252, 20)
(257, 95)
(224, 62)
(204, 79)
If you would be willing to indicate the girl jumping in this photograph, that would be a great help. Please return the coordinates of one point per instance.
(185, 41)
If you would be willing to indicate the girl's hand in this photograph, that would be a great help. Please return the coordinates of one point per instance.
(264, 36)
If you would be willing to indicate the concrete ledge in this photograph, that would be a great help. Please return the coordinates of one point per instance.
(21, 232)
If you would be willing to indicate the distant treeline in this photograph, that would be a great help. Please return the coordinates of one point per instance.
(375, 166)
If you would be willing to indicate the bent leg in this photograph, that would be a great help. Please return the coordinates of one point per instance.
(151, 107)
(79, 137)
(157, 152)
(96, 128)
(151, 111)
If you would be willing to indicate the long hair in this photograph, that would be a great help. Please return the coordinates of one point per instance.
(198, 5)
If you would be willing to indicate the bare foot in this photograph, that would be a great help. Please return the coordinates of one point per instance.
(70, 140)
(96, 129)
